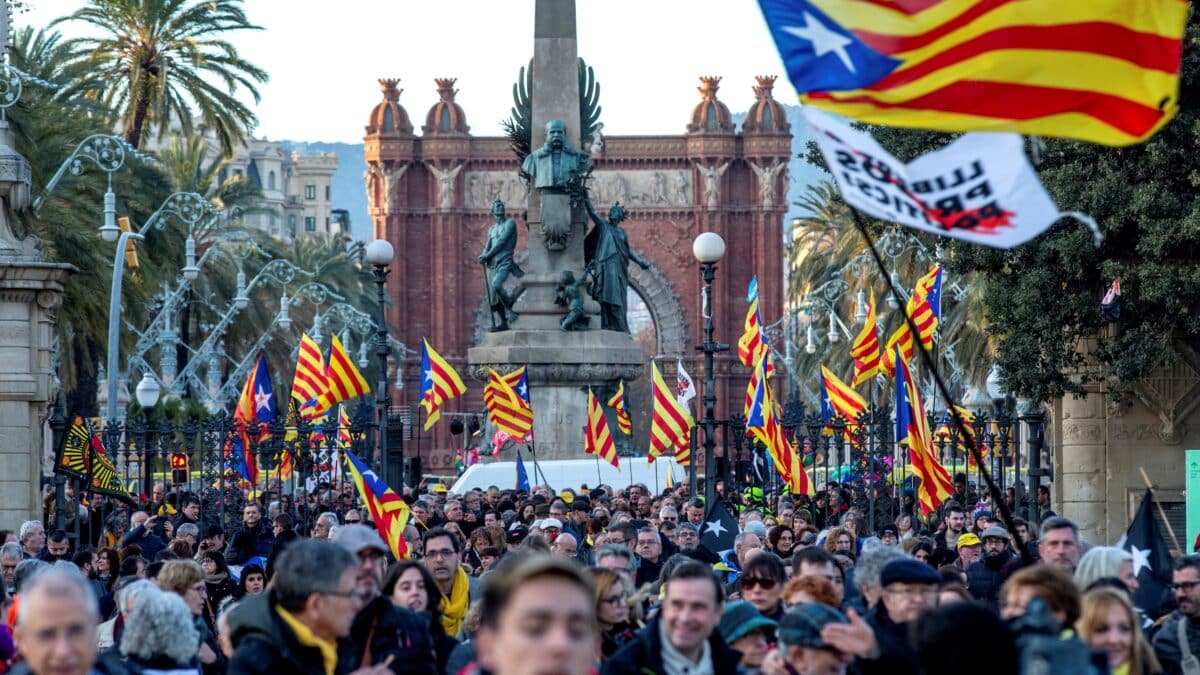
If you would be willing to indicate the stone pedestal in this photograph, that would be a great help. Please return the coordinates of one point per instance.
(561, 367)
(30, 292)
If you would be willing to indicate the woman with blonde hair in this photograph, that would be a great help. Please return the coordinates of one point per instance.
(613, 610)
(186, 579)
(1108, 623)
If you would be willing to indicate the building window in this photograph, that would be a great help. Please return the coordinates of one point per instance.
(274, 224)
(310, 224)
(327, 193)
(292, 221)
(310, 191)
(271, 180)
(327, 225)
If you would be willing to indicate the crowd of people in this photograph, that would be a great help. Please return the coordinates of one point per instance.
(610, 580)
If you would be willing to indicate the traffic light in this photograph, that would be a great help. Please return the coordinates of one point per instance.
(179, 468)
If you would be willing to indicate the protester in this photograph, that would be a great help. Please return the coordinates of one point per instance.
(985, 576)
(186, 579)
(965, 638)
(747, 632)
(613, 610)
(217, 582)
(1106, 562)
(803, 648)
(252, 582)
(762, 582)
(54, 630)
(683, 637)
(1178, 640)
(1108, 623)
(1052, 584)
(160, 636)
(410, 585)
(1058, 543)
(443, 559)
(252, 540)
(539, 616)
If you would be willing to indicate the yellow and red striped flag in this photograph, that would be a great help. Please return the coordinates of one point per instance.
(924, 315)
(343, 379)
(799, 482)
(752, 344)
(387, 510)
(865, 348)
(617, 403)
(763, 423)
(847, 402)
(1105, 71)
(508, 411)
(912, 429)
(670, 422)
(309, 383)
(440, 383)
(598, 440)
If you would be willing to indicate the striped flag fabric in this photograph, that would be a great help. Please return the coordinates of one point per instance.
(255, 409)
(952, 434)
(440, 383)
(912, 430)
(845, 401)
(617, 403)
(865, 349)
(388, 511)
(309, 385)
(342, 377)
(799, 481)
(598, 440)
(922, 311)
(670, 422)
(1104, 71)
(764, 424)
(508, 411)
(752, 344)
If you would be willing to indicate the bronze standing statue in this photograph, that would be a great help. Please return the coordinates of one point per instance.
(498, 264)
(607, 254)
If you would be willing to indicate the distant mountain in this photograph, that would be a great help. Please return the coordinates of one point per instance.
(349, 194)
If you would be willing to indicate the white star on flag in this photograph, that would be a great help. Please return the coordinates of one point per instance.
(262, 400)
(823, 40)
(429, 375)
(1141, 559)
(715, 527)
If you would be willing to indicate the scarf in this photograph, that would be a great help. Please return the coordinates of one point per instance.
(306, 637)
(454, 607)
(215, 578)
(675, 663)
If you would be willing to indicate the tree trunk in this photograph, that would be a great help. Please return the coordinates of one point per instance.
(133, 135)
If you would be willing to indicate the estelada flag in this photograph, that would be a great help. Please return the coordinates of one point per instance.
(388, 511)
(440, 382)
(1105, 71)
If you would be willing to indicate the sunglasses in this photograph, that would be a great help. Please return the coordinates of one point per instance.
(766, 584)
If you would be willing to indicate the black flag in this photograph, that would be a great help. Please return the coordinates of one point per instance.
(1151, 559)
(718, 529)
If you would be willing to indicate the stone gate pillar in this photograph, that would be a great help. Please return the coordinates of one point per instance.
(1081, 490)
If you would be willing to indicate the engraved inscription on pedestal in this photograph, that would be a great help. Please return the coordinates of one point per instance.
(640, 188)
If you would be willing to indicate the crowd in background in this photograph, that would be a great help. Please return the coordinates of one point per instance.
(607, 579)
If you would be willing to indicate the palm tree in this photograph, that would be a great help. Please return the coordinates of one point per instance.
(162, 62)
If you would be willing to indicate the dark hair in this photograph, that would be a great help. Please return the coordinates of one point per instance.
(114, 566)
(502, 586)
(433, 603)
(188, 500)
(765, 564)
(82, 558)
(284, 520)
(252, 568)
(1058, 523)
(952, 507)
(695, 570)
(441, 532)
(306, 567)
(777, 532)
(129, 566)
(165, 555)
(811, 555)
(964, 632)
(1187, 562)
(57, 536)
(218, 560)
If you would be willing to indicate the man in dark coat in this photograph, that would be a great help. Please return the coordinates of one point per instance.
(985, 576)
(253, 539)
(301, 626)
(684, 636)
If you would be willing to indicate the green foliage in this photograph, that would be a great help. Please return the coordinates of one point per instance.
(1042, 299)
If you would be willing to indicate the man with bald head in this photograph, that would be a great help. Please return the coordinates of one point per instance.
(565, 545)
(56, 626)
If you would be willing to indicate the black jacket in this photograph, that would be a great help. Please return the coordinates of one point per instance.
(264, 643)
(285, 538)
(896, 655)
(395, 631)
(247, 543)
(643, 656)
(1166, 643)
(984, 577)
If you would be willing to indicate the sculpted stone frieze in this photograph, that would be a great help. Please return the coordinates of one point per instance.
(640, 188)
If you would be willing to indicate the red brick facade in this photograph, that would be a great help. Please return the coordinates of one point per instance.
(429, 195)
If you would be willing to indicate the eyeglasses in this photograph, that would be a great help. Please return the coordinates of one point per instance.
(912, 591)
(353, 521)
(764, 583)
(1185, 586)
(614, 600)
(440, 553)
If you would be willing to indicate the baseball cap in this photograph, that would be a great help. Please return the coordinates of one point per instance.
(740, 619)
(439, 489)
(355, 538)
(997, 532)
(968, 539)
(550, 522)
(801, 626)
(567, 496)
(517, 534)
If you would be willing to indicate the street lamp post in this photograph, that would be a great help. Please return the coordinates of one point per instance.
(147, 396)
(708, 248)
(114, 321)
(379, 255)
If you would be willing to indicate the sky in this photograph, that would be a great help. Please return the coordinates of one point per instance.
(325, 58)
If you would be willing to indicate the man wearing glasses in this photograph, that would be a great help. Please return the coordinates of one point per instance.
(383, 632)
(1178, 641)
(305, 617)
(443, 558)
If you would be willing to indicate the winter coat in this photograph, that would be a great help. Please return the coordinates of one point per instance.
(264, 644)
(643, 655)
(1166, 643)
(149, 542)
(399, 632)
(896, 655)
(984, 577)
(247, 543)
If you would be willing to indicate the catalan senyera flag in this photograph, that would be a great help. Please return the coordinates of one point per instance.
(670, 422)
(506, 408)
(342, 377)
(753, 344)
(309, 385)
(924, 316)
(388, 511)
(865, 349)
(440, 383)
(764, 424)
(617, 403)
(842, 397)
(798, 481)
(598, 440)
(1105, 71)
(956, 435)
(912, 429)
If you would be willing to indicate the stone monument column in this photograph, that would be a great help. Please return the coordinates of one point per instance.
(1083, 470)
(30, 291)
(561, 364)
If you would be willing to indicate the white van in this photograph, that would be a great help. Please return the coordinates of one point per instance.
(562, 474)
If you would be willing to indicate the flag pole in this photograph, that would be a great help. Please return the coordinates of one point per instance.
(997, 497)
(1161, 512)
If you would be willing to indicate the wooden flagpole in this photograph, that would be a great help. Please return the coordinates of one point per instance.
(1161, 512)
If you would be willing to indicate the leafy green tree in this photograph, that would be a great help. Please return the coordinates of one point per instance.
(162, 62)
